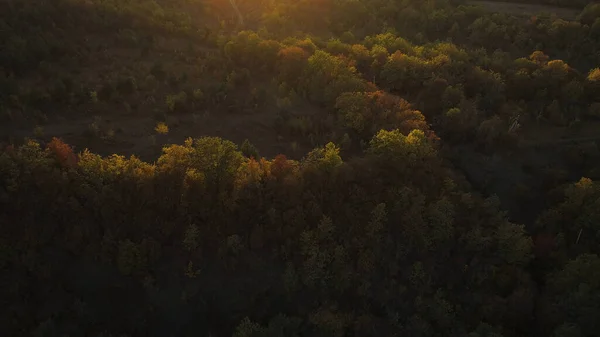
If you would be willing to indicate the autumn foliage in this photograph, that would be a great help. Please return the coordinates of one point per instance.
(406, 125)
(62, 152)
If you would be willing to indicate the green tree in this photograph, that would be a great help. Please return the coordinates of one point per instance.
(326, 158)
(249, 150)
(219, 161)
(576, 290)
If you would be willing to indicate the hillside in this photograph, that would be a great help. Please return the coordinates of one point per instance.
(299, 168)
(527, 10)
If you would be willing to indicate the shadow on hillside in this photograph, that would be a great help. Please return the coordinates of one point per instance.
(50, 31)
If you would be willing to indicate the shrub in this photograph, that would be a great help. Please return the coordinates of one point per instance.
(594, 75)
(161, 128)
(176, 102)
(93, 96)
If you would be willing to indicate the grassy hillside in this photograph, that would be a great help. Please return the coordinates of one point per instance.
(298, 168)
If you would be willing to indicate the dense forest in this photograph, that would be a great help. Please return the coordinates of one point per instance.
(270, 168)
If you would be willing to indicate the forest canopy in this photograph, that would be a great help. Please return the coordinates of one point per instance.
(336, 168)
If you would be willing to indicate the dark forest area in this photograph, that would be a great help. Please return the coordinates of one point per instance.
(323, 168)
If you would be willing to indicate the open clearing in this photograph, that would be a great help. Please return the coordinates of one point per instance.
(135, 135)
(528, 10)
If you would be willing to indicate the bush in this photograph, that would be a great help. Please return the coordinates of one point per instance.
(176, 103)
(161, 128)
(93, 96)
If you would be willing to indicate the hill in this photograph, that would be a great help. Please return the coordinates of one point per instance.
(312, 167)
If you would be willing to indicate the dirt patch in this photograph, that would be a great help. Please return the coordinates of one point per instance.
(526, 10)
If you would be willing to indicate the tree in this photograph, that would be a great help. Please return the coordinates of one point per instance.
(594, 75)
(327, 77)
(576, 291)
(356, 110)
(486, 330)
(405, 74)
(219, 161)
(491, 131)
(394, 146)
(129, 258)
(247, 328)
(326, 158)
(589, 14)
(191, 237)
(177, 102)
(63, 152)
(514, 246)
(366, 112)
(362, 57)
(291, 63)
(249, 150)
(592, 84)
(574, 220)
(248, 50)
(539, 57)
